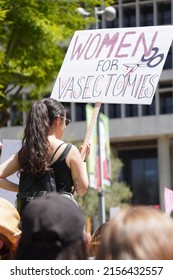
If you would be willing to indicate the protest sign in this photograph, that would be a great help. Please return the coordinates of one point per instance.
(113, 65)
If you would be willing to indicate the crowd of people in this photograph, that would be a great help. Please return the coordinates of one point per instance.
(53, 228)
(51, 225)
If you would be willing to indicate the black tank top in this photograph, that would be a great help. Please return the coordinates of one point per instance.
(62, 172)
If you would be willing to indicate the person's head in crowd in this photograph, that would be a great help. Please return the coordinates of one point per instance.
(96, 239)
(52, 228)
(138, 233)
(171, 214)
(9, 229)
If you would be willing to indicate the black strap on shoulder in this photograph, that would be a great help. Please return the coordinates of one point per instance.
(56, 151)
(65, 152)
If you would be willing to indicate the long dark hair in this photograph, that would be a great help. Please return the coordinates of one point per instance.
(34, 154)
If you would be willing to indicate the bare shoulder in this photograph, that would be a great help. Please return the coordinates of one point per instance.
(74, 154)
(74, 148)
(55, 143)
(74, 151)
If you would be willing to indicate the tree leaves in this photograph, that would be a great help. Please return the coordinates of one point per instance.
(34, 37)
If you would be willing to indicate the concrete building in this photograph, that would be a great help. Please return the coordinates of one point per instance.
(142, 135)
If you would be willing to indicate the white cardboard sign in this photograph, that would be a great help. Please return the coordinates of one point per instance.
(113, 65)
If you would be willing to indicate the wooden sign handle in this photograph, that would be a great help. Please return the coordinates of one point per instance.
(90, 128)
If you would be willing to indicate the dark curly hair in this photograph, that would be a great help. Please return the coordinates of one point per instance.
(34, 155)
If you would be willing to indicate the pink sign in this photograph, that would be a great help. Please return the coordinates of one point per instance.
(168, 198)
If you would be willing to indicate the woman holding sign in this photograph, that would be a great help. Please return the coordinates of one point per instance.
(42, 149)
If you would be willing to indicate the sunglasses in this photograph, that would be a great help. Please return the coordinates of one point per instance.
(67, 121)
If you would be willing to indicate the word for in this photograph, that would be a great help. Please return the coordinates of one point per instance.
(105, 65)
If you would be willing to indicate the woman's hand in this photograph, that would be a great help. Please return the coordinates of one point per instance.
(86, 152)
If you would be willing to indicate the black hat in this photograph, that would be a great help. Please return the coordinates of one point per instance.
(52, 218)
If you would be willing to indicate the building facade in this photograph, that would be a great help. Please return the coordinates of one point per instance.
(142, 135)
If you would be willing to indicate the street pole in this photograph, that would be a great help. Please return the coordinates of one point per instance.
(101, 194)
(109, 13)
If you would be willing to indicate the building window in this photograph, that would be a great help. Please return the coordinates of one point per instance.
(128, 1)
(148, 110)
(168, 62)
(145, 181)
(131, 110)
(16, 116)
(112, 23)
(166, 97)
(164, 13)
(102, 109)
(146, 15)
(114, 111)
(3, 118)
(129, 17)
(140, 172)
(67, 105)
(80, 112)
(166, 100)
(165, 86)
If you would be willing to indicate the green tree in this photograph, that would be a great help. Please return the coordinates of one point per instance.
(34, 36)
(118, 196)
